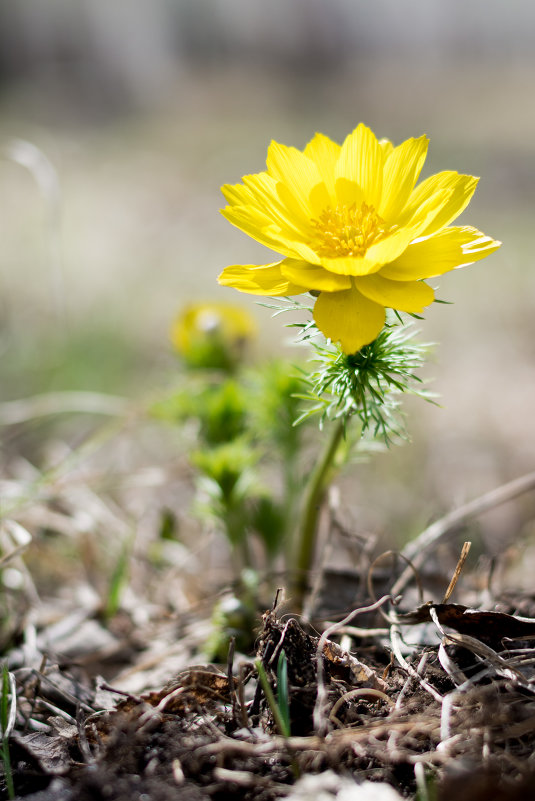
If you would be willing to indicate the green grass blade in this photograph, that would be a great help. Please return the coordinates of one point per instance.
(270, 698)
(283, 697)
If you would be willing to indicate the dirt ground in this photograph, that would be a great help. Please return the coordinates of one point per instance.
(400, 695)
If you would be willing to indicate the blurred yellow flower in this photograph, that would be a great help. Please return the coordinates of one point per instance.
(353, 229)
(212, 334)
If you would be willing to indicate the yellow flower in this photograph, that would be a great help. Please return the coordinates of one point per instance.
(353, 229)
(212, 334)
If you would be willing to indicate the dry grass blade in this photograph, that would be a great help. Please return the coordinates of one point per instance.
(17, 535)
(410, 569)
(416, 550)
(396, 642)
(20, 411)
(458, 570)
(12, 714)
(358, 692)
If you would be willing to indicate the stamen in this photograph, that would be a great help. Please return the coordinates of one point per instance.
(348, 230)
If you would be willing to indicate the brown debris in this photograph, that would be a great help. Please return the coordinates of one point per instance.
(492, 628)
(457, 707)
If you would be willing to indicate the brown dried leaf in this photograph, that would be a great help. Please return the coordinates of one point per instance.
(489, 627)
(51, 753)
(359, 673)
(201, 685)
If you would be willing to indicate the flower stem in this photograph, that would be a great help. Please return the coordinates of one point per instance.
(307, 530)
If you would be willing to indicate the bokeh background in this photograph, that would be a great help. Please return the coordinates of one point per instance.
(121, 120)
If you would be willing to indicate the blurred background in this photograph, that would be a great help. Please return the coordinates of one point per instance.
(121, 120)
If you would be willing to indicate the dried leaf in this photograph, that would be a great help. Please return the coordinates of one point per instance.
(489, 627)
(359, 673)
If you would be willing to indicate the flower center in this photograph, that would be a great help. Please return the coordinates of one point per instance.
(348, 230)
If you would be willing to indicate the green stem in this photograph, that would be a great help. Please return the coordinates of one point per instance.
(291, 502)
(234, 522)
(308, 524)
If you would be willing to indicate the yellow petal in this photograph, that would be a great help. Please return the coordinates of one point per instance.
(390, 248)
(237, 194)
(320, 199)
(264, 280)
(266, 197)
(401, 171)
(350, 265)
(435, 183)
(348, 318)
(297, 211)
(274, 230)
(313, 276)
(348, 192)
(408, 296)
(255, 204)
(324, 153)
(361, 160)
(456, 203)
(446, 250)
(456, 191)
(395, 243)
(386, 146)
(254, 223)
(292, 168)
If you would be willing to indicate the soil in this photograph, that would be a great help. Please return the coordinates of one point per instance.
(361, 707)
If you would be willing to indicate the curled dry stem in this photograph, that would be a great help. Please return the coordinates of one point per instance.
(321, 720)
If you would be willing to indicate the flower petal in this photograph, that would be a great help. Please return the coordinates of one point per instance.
(266, 197)
(256, 203)
(407, 296)
(267, 220)
(386, 146)
(254, 223)
(361, 160)
(237, 194)
(313, 276)
(457, 202)
(348, 192)
(320, 199)
(296, 209)
(291, 167)
(324, 153)
(446, 250)
(348, 318)
(456, 191)
(264, 280)
(401, 171)
(393, 245)
(350, 265)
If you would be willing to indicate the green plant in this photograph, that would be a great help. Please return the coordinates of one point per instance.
(283, 697)
(357, 239)
(246, 439)
(426, 783)
(279, 706)
(117, 582)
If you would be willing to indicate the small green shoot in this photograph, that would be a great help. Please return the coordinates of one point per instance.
(283, 698)
(280, 713)
(426, 789)
(118, 580)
